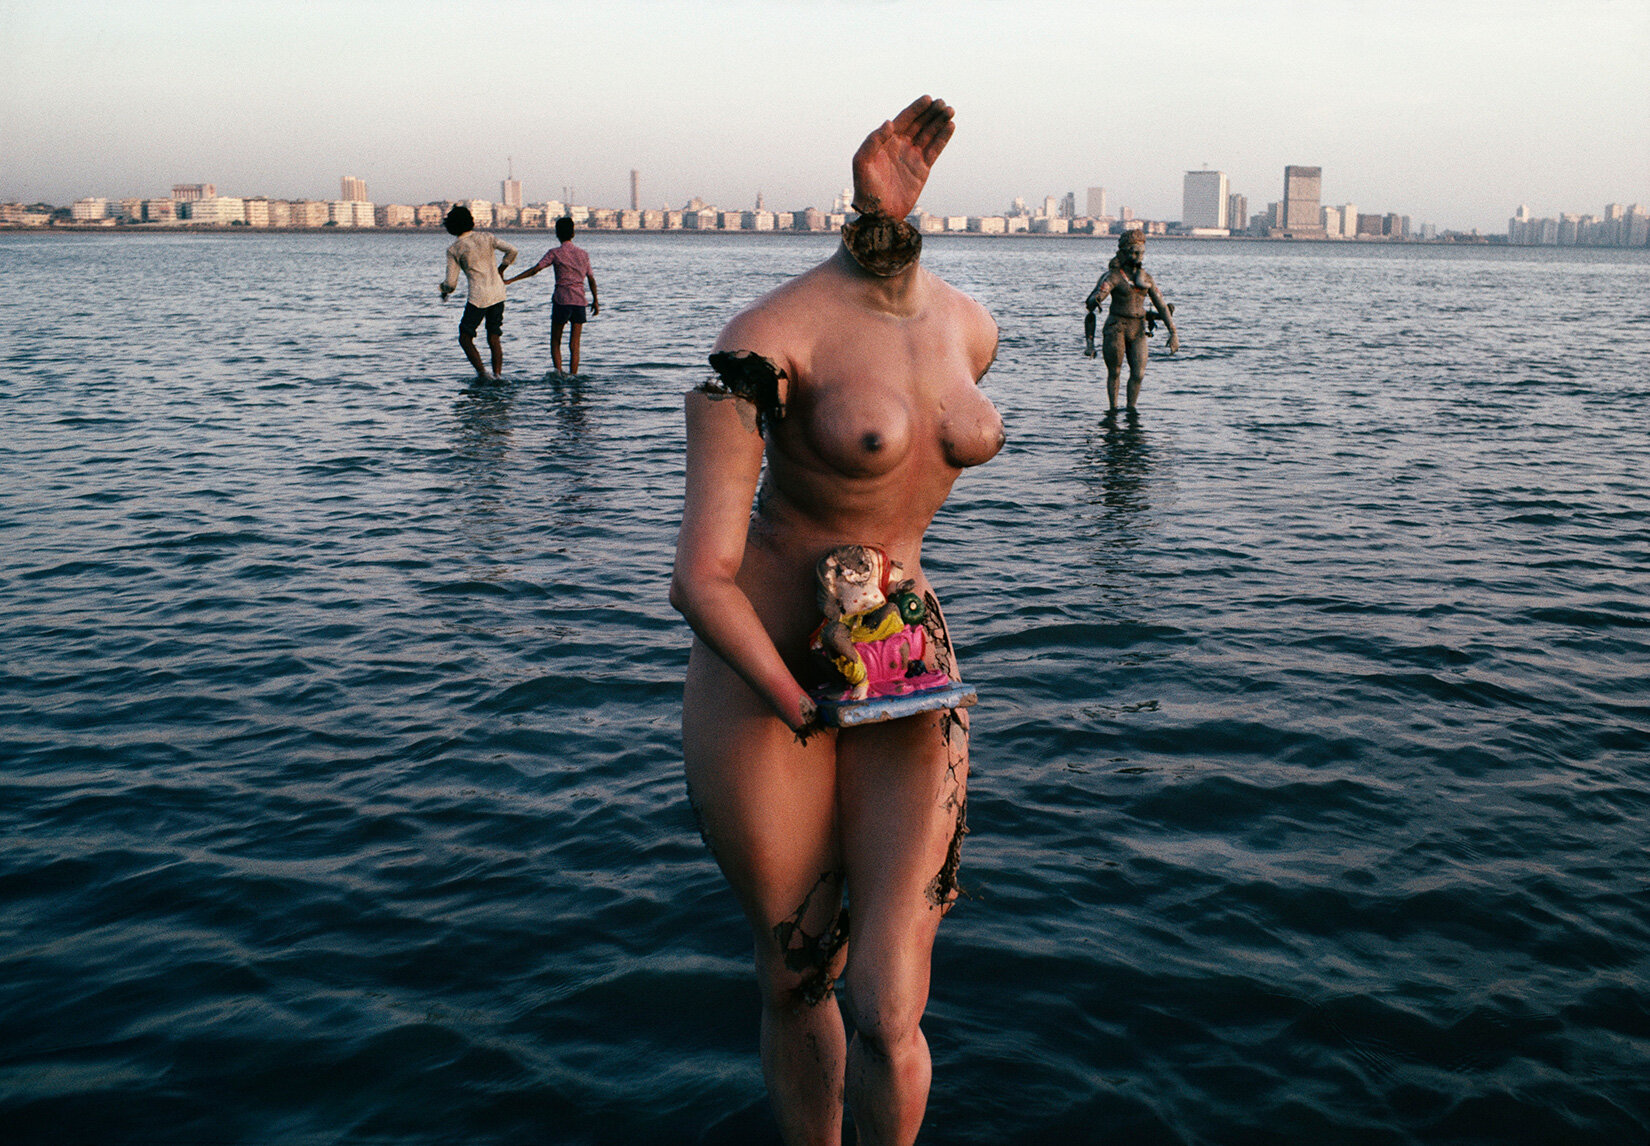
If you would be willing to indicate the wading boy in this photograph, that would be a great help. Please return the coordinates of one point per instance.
(473, 254)
(567, 304)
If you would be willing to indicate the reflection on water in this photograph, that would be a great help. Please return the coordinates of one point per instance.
(1120, 460)
(481, 438)
(482, 413)
(518, 442)
(481, 447)
(567, 399)
(1119, 473)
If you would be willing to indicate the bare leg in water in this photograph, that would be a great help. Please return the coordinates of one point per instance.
(468, 342)
(556, 328)
(877, 809)
(573, 348)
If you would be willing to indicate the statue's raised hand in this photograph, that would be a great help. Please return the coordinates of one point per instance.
(892, 165)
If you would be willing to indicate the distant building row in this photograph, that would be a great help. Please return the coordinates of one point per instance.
(214, 210)
(199, 204)
(1621, 226)
(1208, 207)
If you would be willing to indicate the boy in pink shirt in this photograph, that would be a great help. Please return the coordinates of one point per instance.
(567, 304)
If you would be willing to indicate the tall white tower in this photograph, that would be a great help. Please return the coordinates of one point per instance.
(1204, 200)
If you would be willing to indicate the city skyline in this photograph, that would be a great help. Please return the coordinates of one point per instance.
(1451, 112)
(1209, 207)
(511, 192)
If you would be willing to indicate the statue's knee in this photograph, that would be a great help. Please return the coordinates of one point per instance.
(887, 1008)
(887, 1031)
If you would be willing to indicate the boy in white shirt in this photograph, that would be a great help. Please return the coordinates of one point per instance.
(473, 254)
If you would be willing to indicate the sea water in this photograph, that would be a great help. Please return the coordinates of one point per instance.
(341, 788)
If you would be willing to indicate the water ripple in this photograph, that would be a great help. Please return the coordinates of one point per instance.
(342, 790)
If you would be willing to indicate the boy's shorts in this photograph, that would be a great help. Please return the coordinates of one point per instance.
(474, 314)
(567, 312)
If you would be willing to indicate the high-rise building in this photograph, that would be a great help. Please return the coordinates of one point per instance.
(1237, 211)
(509, 188)
(352, 189)
(1299, 212)
(1068, 206)
(635, 190)
(189, 192)
(1203, 200)
(1097, 202)
(1638, 226)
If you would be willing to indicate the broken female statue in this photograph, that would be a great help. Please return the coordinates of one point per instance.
(858, 382)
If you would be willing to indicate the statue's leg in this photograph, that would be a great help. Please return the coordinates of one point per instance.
(1112, 344)
(1139, 349)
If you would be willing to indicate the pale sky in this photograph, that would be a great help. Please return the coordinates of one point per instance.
(1450, 111)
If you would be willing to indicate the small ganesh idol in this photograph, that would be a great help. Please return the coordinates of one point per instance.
(872, 633)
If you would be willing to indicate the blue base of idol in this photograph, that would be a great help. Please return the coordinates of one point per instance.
(848, 713)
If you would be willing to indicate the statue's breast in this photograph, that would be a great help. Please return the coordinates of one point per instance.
(862, 430)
